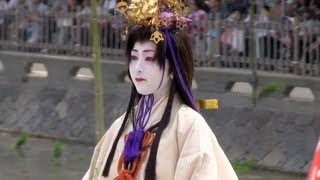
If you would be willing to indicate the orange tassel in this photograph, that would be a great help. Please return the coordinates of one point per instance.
(125, 174)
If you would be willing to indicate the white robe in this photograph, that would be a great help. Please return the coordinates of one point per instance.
(188, 149)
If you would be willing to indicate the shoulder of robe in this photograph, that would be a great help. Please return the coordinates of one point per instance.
(186, 113)
(187, 118)
(115, 126)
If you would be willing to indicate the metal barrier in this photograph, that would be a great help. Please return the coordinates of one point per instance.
(60, 34)
(284, 48)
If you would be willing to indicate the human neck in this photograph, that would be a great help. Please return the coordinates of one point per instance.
(161, 92)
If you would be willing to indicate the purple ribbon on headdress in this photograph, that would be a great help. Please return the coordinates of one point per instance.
(135, 137)
(166, 15)
(177, 67)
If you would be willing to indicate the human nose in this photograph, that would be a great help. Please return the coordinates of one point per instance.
(139, 65)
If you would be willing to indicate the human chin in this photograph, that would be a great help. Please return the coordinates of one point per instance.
(144, 88)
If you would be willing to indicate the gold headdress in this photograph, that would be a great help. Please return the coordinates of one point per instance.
(156, 14)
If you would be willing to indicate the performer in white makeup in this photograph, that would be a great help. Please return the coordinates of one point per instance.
(162, 135)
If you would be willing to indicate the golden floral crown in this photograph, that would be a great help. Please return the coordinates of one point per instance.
(157, 14)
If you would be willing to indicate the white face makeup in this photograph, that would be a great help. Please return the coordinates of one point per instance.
(145, 71)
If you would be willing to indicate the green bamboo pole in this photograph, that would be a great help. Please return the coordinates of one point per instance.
(99, 106)
(253, 63)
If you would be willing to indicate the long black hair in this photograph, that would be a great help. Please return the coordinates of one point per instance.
(182, 48)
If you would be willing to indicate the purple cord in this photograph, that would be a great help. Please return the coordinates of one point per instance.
(135, 137)
(133, 145)
(177, 67)
(144, 112)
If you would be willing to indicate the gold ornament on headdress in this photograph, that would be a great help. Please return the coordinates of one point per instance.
(181, 25)
(156, 37)
(169, 3)
(146, 13)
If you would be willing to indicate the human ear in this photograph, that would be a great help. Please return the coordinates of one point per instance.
(171, 75)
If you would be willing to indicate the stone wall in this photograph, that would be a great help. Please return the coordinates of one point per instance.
(279, 132)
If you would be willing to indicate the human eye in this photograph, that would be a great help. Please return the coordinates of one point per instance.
(149, 59)
(133, 58)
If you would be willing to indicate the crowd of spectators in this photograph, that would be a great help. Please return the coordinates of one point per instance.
(55, 21)
(68, 22)
(270, 42)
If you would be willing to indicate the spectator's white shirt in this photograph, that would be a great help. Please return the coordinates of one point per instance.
(109, 4)
(262, 32)
(39, 8)
(237, 42)
(65, 21)
(13, 4)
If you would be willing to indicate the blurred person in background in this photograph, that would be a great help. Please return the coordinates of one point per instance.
(217, 14)
(17, 20)
(205, 6)
(109, 5)
(198, 26)
(36, 9)
(67, 22)
(27, 23)
(275, 11)
(232, 5)
(262, 34)
(85, 20)
(114, 33)
(237, 43)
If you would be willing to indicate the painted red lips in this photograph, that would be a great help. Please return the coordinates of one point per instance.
(139, 79)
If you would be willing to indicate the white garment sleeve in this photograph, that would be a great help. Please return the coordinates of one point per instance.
(201, 157)
(86, 176)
